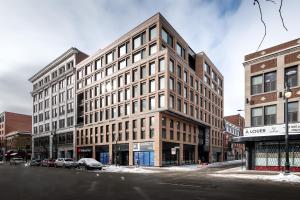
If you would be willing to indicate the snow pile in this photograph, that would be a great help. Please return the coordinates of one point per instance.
(183, 168)
(291, 178)
(225, 163)
(232, 170)
(27, 164)
(121, 169)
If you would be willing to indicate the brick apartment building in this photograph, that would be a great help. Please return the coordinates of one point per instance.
(149, 98)
(53, 107)
(233, 127)
(10, 122)
(266, 74)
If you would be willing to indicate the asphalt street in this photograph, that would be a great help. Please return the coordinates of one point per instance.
(30, 183)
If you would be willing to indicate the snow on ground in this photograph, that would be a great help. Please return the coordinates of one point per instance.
(123, 169)
(225, 163)
(183, 168)
(232, 170)
(292, 178)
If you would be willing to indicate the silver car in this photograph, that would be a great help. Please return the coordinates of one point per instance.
(65, 163)
(89, 163)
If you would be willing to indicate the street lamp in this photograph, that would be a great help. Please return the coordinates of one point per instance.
(287, 95)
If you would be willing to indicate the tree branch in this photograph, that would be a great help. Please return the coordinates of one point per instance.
(280, 13)
(262, 21)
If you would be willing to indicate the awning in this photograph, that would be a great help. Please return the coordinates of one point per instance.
(245, 139)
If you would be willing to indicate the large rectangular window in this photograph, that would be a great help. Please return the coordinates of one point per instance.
(270, 115)
(293, 112)
(179, 50)
(256, 84)
(161, 103)
(122, 50)
(291, 75)
(139, 40)
(270, 81)
(257, 116)
(167, 37)
(152, 33)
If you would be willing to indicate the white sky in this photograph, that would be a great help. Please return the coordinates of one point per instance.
(34, 32)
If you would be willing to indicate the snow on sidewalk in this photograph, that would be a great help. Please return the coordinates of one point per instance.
(291, 178)
(183, 168)
(122, 169)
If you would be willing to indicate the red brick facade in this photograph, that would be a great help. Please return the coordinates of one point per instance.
(263, 98)
(264, 65)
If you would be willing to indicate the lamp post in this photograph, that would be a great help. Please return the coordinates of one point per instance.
(287, 95)
(54, 139)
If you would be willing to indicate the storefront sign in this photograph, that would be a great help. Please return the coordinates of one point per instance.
(84, 150)
(144, 146)
(272, 130)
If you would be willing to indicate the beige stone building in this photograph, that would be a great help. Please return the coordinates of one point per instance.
(266, 74)
(149, 99)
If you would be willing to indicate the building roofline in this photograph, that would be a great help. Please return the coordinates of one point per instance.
(207, 58)
(124, 36)
(17, 133)
(4, 112)
(271, 50)
(55, 62)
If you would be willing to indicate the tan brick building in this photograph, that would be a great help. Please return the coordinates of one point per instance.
(10, 122)
(266, 74)
(148, 98)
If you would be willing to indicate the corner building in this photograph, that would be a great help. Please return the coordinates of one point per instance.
(266, 72)
(149, 99)
(53, 107)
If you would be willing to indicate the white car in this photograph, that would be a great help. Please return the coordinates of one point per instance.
(89, 163)
(65, 162)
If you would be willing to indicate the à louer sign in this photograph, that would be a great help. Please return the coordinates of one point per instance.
(278, 129)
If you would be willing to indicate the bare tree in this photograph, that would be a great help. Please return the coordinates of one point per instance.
(257, 2)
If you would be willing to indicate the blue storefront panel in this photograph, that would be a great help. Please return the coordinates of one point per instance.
(145, 158)
(104, 157)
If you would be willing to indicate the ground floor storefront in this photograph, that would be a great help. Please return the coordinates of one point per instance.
(268, 152)
(146, 153)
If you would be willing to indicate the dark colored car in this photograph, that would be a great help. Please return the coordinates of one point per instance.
(48, 162)
(35, 163)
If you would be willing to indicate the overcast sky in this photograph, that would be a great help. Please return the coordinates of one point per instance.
(34, 32)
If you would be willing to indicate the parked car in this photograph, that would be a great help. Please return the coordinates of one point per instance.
(65, 162)
(89, 163)
(48, 162)
(16, 161)
(35, 162)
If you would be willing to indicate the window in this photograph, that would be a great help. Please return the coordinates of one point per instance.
(109, 57)
(256, 117)
(139, 40)
(179, 50)
(135, 76)
(206, 68)
(134, 107)
(138, 56)
(161, 65)
(143, 72)
(152, 33)
(167, 37)
(179, 71)
(293, 112)
(152, 121)
(109, 70)
(161, 102)
(185, 92)
(270, 115)
(292, 79)
(123, 64)
(185, 77)
(143, 88)
(127, 93)
(171, 102)
(135, 91)
(171, 83)
(127, 109)
(256, 84)
(143, 105)
(163, 133)
(151, 103)
(161, 84)
(185, 108)
(152, 85)
(179, 88)
(179, 105)
(152, 68)
(98, 64)
(171, 65)
(122, 50)
(127, 78)
(270, 81)
(153, 49)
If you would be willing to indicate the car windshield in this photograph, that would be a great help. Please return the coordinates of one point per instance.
(90, 160)
(68, 159)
